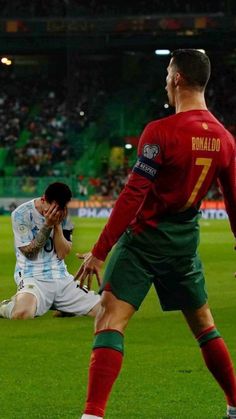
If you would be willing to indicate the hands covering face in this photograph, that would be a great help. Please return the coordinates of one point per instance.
(54, 215)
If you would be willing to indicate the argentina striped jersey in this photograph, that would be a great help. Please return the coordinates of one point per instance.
(26, 222)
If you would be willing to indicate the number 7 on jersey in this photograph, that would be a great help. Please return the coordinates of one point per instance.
(206, 164)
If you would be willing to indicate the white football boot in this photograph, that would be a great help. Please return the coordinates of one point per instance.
(231, 412)
(3, 306)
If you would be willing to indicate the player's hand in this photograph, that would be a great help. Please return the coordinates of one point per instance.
(52, 215)
(91, 266)
(62, 214)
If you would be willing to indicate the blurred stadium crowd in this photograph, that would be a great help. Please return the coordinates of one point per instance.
(41, 121)
(37, 113)
(54, 125)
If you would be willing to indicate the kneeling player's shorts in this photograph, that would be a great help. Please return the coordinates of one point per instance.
(133, 268)
(62, 294)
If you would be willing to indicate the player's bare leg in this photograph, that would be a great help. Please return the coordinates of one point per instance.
(25, 306)
(215, 353)
(107, 355)
(114, 313)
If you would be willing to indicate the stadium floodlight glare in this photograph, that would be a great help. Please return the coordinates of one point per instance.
(6, 61)
(128, 146)
(162, 52)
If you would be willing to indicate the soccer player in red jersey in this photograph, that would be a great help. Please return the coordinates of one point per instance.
(155, 221)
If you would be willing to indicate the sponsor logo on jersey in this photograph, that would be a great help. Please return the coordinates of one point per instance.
(151, 151)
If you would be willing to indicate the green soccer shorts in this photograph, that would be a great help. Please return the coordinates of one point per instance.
(135, 265)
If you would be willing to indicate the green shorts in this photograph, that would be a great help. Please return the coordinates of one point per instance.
(135, 265)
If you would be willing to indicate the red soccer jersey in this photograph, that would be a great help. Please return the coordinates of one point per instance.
(179, 157)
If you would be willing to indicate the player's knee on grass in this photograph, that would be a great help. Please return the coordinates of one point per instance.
(22, 314)
(25, 307)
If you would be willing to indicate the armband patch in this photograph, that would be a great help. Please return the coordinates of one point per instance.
(146, 167)
(68, 235)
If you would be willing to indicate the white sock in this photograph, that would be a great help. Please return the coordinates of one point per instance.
(90, 417)
(231, 412)
(6, 310)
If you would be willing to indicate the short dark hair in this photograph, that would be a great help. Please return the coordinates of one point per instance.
(59, 192)
(193, 65)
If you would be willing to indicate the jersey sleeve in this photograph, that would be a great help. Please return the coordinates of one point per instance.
(131, 198)
(227, 179)
(150, 152)
(21, 229)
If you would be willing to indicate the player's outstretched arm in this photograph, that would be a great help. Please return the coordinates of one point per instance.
(90, 267)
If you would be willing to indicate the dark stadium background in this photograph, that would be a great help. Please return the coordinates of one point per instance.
(80, 79)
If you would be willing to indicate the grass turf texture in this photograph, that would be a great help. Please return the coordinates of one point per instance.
(44, 362)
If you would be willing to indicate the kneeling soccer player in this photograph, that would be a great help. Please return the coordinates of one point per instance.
(42, 234)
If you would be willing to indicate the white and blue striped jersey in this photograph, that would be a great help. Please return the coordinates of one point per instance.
(46, 266)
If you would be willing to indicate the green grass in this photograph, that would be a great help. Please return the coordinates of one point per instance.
(44, 362)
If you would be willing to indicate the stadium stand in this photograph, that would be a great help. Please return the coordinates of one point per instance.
(63, 8)
(50, 133)
(73, 122)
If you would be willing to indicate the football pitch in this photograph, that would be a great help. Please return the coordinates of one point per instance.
(44, 362)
